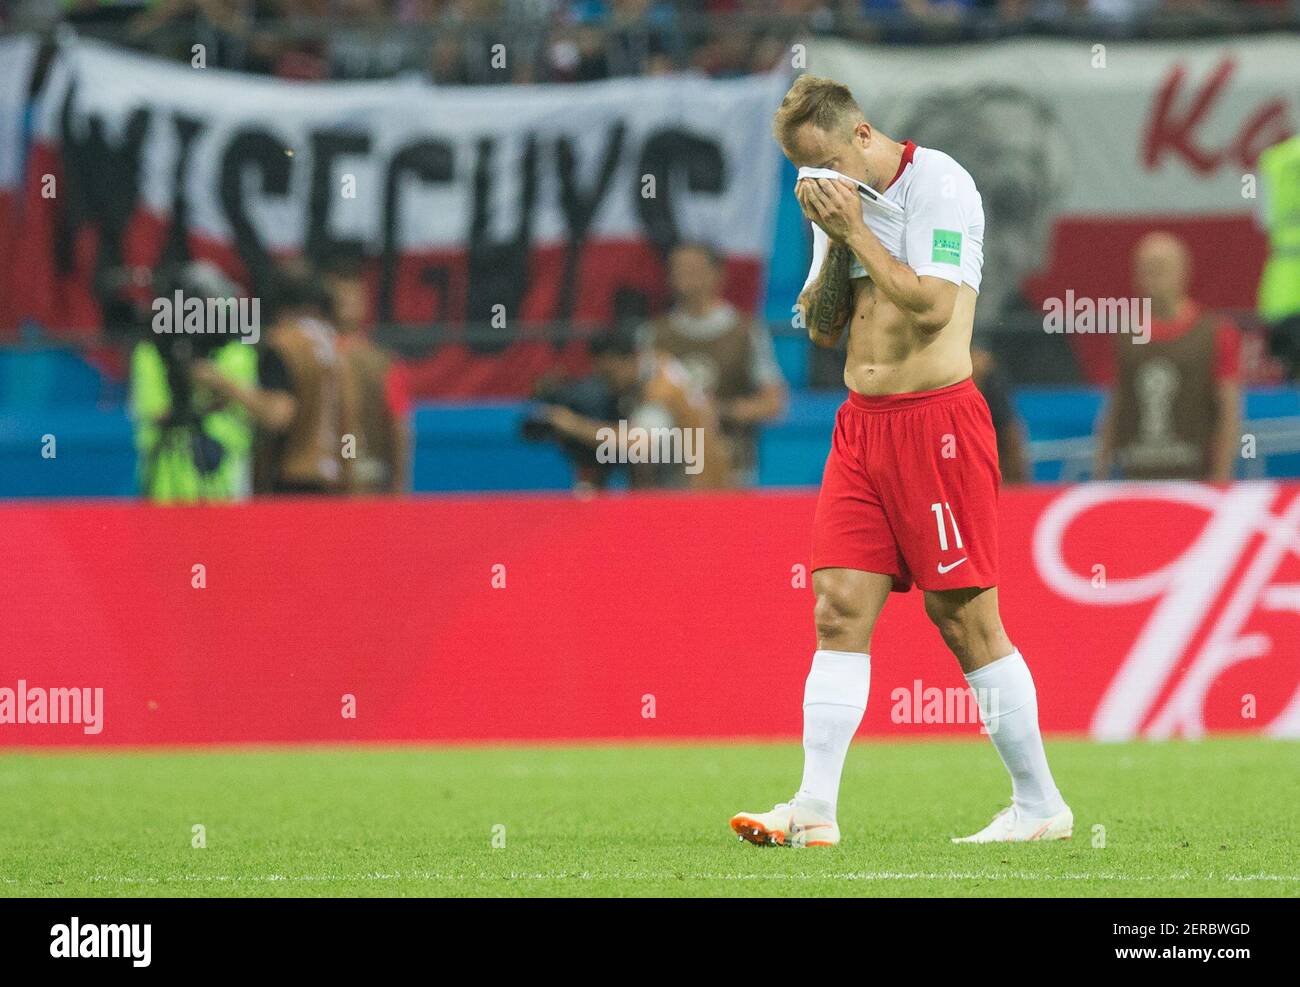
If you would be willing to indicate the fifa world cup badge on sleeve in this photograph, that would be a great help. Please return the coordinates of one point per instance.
(947, 247)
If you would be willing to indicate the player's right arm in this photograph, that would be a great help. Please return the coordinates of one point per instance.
(826, 302)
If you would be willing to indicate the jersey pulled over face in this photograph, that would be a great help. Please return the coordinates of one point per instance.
(938, 228)
(930, 218)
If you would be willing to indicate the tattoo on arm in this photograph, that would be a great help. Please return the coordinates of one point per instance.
(827, 302)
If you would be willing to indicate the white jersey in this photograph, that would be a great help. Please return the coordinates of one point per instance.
(933, 221)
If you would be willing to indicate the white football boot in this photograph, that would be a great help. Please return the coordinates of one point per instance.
(1009, 826)
(788, 824)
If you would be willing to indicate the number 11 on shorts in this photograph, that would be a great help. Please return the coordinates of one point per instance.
(938, 509)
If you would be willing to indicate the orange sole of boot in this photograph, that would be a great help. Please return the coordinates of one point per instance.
(753, 831)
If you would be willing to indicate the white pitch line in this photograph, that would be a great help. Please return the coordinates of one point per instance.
(867, 876)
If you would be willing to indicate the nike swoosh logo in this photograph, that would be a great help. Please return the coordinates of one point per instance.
(943, 569)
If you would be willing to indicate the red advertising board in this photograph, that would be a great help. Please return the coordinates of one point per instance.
(1160, 610)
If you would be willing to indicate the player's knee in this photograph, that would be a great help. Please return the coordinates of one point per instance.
(956, 635)
(840, 618)
(968, 632)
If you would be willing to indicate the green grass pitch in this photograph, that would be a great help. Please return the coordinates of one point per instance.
(1182, 818)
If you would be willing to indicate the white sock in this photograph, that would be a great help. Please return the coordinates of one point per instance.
(1009, 708)
(834, 699)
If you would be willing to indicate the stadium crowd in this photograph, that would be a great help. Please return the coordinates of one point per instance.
(454, 41)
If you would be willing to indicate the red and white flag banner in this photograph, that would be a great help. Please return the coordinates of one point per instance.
(529, 203)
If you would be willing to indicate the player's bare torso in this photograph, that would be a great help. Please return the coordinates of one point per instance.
(888, 354)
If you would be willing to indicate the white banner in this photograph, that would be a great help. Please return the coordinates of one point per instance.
(17, 62)
(566, 195)
(1165, 128)
(705, 143)
(1113, 138)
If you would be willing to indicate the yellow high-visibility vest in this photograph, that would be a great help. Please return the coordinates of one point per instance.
(1279, 288)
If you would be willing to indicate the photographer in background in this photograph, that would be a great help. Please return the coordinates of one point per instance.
(647, 390)
(1013, 444)
(298, 401)
(193, 443)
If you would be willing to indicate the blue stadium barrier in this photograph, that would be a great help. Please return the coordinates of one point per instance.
(793, 452)
(1060, 422)
(94, 453)
(479, 446)
(47, 379)
(792, 356)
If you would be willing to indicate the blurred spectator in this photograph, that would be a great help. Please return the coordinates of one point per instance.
(473, 45)
(1175, 412)
(769, 52)
(529, 22)
(728, 355)
(91, 12)
(643, 37)
(359, 47)
(374, 388)
(218, 29)
(1113, 12)
(725, 54)
(1013, 454)
(925, 11)
(300, 407)
(447, 62)
(579, 55)
(635, 388)
(193, 439)
(1279, 286)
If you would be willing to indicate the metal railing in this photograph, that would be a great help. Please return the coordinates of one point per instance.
(1072, 458)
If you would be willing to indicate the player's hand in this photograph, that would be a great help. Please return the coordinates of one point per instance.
(562, 419)
(660, 389)
(803, 194)
(835, 204)
(206, 373)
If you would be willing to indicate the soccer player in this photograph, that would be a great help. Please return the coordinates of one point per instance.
(909, 493)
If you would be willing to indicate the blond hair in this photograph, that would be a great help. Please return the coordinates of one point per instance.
(826, 104)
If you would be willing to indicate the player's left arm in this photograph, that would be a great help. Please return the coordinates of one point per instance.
(929, 300)
(928, 297)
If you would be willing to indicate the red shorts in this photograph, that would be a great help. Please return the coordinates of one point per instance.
(911, 490)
